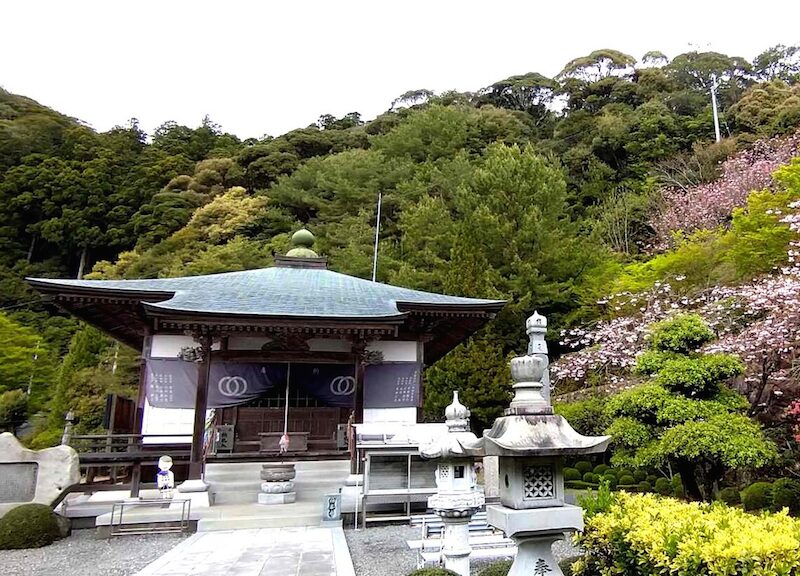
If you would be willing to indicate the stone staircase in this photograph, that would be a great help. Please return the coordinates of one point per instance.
(234, 489)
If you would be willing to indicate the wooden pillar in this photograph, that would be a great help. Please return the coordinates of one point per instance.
(358, 402)
(138, 413)
(421, 399)
(200, 407)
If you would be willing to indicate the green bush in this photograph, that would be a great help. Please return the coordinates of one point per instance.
(624, 472)
(597, 502)
(644, 486)
(601, 469)
(664, 487)
(681, 334)
(583, 466)
(627, 480)
(590, 477)
(730, 496)
(786, 494)
(652, 478)
(642, 534)
(587, 416)
(579, 484)
(29, 526)
(432, 572)
(757, 496)
(572, 474)
(610, 479)
(651, 361)
(566, 564)
(677, 487)
(497, 568)
(640, 475)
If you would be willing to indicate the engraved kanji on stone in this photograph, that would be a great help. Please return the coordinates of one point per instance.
(541, 568)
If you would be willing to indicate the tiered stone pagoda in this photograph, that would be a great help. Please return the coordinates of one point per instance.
(531, 443)
(335, 349)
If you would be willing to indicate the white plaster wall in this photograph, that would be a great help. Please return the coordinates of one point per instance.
(177, 421)
(407, 415)
(330, 345)
(169, 345)
(395, 350)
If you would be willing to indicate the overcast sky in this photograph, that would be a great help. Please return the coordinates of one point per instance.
(266, 67)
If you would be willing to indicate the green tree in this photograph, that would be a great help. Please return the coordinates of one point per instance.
(685, 418)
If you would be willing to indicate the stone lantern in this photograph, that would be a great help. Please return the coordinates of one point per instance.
(457, 496)
(531, 443)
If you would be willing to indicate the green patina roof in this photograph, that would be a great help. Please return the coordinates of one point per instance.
(273, 292)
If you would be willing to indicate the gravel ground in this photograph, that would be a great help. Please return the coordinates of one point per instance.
(83, 554)
(382, 551)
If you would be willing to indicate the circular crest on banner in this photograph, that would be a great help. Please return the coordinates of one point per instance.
(232, 386)
(343, 385)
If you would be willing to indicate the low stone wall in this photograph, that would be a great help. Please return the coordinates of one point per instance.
(34, 475)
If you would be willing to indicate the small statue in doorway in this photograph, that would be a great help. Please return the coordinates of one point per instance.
(165, 478)
(283, 444)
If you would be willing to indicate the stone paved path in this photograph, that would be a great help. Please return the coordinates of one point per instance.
(258, 552)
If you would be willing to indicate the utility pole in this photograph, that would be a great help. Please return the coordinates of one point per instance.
(714, 105)
(377, 232)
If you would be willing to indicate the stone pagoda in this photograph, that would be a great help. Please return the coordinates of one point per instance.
(457, 497)
(531, 443)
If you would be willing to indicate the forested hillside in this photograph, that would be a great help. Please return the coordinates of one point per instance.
(598, 197)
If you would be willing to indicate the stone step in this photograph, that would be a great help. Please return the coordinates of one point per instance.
(242, 522)
(235, 497)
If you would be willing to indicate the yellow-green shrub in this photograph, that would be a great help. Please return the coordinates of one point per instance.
(645, 534)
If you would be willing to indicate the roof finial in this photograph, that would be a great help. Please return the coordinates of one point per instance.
(302, 241)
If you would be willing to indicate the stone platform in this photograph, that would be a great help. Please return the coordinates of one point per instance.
(231, 510)
(262, 552)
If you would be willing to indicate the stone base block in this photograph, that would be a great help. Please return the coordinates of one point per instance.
(541, 521)
(277, 487)
(285, 498)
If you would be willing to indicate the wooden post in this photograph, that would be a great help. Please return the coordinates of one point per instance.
(358, 402)
(200, 406)
(138, 413)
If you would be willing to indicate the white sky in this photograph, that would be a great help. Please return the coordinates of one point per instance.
(268, 66)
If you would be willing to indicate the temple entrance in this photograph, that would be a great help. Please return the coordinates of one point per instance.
(320, 402)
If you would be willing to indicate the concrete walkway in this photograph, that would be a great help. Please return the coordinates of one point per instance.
(258, 552)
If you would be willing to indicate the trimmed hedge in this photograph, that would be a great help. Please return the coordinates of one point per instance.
(497, 568)
(786, 494)
(640, 475)
(644, 486)
(611, 479)
(29, 526)
(730, 496)
(652, 478)
(590, 477)
(583, 466)
(757, 496)
(664, 487)
(627, 479)
(572, 474)
(579, 484)
(601, 469)
(644, 534)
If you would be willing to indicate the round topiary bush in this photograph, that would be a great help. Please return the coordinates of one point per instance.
(572, 474)
(624, 472)
(757, 496)
(610, 479)
(497, 569)
(590, 477)
(640, 475)
(730, 496)
(786, 494)
(601, 469)
(663, 486)
(644, 486)
(29, 526)
(677, 487)
(583, 466)
(652, 478)
(627, 480)
(433, 572)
